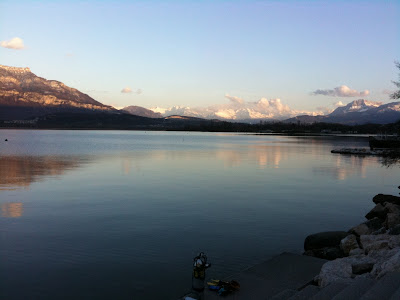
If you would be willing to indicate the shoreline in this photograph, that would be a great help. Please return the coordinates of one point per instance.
(363, 260)
(370, 249)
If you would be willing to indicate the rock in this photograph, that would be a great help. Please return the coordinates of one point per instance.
(394, 241)
(355, 252)
(324, 239)
(381, 198)
(377, 212)
(361, 229)
(362, 268)
(392, 208)
(329, 253)
(390, 263)
(379, 242)
(348, 243)
(341, 270)
(367, 227)
(374, 224)
(335, 271)
(374, 242)
(392, 220)
(381, 230)
(395, 230)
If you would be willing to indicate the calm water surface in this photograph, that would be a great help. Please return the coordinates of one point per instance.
(120, 215)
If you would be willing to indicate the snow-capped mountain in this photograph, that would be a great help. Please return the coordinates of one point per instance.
(262, 109)
(360, 106)
(357, 112)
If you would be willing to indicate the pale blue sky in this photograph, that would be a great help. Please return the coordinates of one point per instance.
(192, 53)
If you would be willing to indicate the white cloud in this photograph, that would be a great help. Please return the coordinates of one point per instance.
(321, 110)
(236, 109)
(338, 104)
(234, 99)
(128, 90)
(15, 43)
(341, 91)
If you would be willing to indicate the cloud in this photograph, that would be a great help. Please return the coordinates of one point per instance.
(234, 99)
(128, 90)
(236, 109)
(341, 91)
(15, 43)
(338, 104)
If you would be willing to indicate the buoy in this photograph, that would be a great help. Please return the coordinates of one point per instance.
(6, 140)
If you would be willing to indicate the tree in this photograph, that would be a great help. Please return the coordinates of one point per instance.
(396, 94)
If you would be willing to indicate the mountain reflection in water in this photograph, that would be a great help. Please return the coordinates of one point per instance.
(12, 209)
(20, 171)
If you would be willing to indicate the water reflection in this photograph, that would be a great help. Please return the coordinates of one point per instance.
(269, 156)
(345, 166)
(12, 210)
(20, 171)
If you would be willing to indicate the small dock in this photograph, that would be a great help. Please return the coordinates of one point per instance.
(365, 151)
(267, 279)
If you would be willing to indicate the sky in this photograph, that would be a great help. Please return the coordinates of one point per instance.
(308, 54)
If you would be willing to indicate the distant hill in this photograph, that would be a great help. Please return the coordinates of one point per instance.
(357, 112)
(141, 111)
(24, 95)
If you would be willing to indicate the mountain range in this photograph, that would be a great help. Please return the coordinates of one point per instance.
(356, 112)
(23, 95)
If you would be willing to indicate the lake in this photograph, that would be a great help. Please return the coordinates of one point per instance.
(121, 214)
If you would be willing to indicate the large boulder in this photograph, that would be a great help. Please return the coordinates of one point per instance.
(381, 198)
(386, 261)
(367, 227)
(349, 243)
(379, 242)
(337, 270)
(374, 224)
(324, 239)
(356, 251)
(361, 229)
(374, 242)
(392, 208)
(392, 219)
(377, 212)
(341, 270)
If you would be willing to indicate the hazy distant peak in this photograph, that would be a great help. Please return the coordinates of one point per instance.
(141, 111)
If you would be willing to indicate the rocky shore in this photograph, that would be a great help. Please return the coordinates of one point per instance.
(368, 250)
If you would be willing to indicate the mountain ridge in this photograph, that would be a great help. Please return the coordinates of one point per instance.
(26, 95)
(359, 111)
